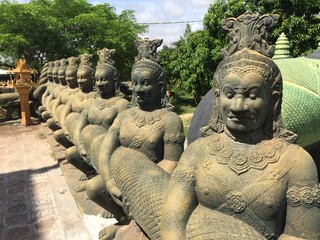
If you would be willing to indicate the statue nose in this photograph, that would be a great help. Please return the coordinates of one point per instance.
(238, 104)
(138, 88)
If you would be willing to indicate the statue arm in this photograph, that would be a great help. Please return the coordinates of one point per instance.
(54, 107)
(110, 143)
(81, 123)
(173, 143)
(181, 200)
(64, 114)
(303, 209)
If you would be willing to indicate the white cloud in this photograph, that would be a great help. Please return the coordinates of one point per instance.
(155, 11)
(175, 8)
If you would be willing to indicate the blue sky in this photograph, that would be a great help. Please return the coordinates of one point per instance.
(149, 11)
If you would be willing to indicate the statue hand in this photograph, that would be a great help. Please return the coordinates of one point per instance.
(113, 189)
(82, 151)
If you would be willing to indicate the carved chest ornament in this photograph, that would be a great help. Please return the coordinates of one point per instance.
(241, 161)
(102, 104)
(141, 118)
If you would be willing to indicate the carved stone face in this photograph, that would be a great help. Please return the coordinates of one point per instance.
(145, 88)
(84, 78)
(61, 76)
(71, 77)
(244, 102)
(104, 81)
(55, 74)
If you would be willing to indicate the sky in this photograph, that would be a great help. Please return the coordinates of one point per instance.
(159, 11)
(151, 11)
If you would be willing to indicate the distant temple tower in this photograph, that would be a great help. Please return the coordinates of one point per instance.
(282, 47)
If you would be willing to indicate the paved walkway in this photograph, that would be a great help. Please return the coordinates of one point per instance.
(35, 200)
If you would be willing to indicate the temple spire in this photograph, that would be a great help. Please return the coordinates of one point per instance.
(282, 48)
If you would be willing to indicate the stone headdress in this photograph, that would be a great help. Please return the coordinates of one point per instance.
(107, 63)
(62, 69)
(49, 71)
(147, 59)
(86, 65)
(249, 52)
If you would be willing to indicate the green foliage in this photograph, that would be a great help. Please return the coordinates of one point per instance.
(300, 20)
(191, 62)
(45, 30)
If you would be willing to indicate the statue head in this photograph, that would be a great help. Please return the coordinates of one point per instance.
(55, 70)
(85, 73)
(106, 75)
(62, 71)
(49, 71)
(148, 83)
(71, 72)
(247, 84)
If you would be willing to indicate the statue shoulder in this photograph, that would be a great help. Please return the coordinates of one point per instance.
(304, 170)
(171, 117)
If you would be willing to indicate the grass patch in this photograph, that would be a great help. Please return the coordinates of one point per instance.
(186, 124)
(183, 105)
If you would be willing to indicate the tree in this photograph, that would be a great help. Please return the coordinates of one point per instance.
(189, 64)
(45, 30)
(300, 20)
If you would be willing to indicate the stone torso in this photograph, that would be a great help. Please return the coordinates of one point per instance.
(67, 93)
(144, 131)
(81, 100)
(230, 180)
(103, 111)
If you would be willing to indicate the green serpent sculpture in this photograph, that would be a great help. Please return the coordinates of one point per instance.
(301, 97)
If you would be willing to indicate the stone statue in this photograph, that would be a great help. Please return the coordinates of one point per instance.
(246, 179)
(73, 122)
(48, 91)
(60, 86)
(63, 108)
(98, 116)
(53, 91)
(37, 94)
(102, 112)
(301, 87)
(148, 128)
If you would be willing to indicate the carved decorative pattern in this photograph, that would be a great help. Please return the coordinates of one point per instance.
(306, 196)
(105, 56)
(136, 142)
(187, 177)
(173, 138)
(106, 103)
(249, 31)
(141, 118)
(236, 201)
(147, 48)
(242, 161)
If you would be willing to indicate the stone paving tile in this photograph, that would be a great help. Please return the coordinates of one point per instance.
(35, 201)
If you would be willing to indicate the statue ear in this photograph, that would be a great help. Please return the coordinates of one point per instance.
(216, 94)
(275, 102)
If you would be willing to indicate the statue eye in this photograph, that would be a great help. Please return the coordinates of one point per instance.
(229, 95)
(253, 96)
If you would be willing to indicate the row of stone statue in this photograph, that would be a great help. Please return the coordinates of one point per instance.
(244, 179)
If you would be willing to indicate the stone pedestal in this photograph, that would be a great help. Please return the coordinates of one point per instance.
(23, 91)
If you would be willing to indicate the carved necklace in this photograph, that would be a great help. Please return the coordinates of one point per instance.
(142, 118)
(106, 103)
(241, 161)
